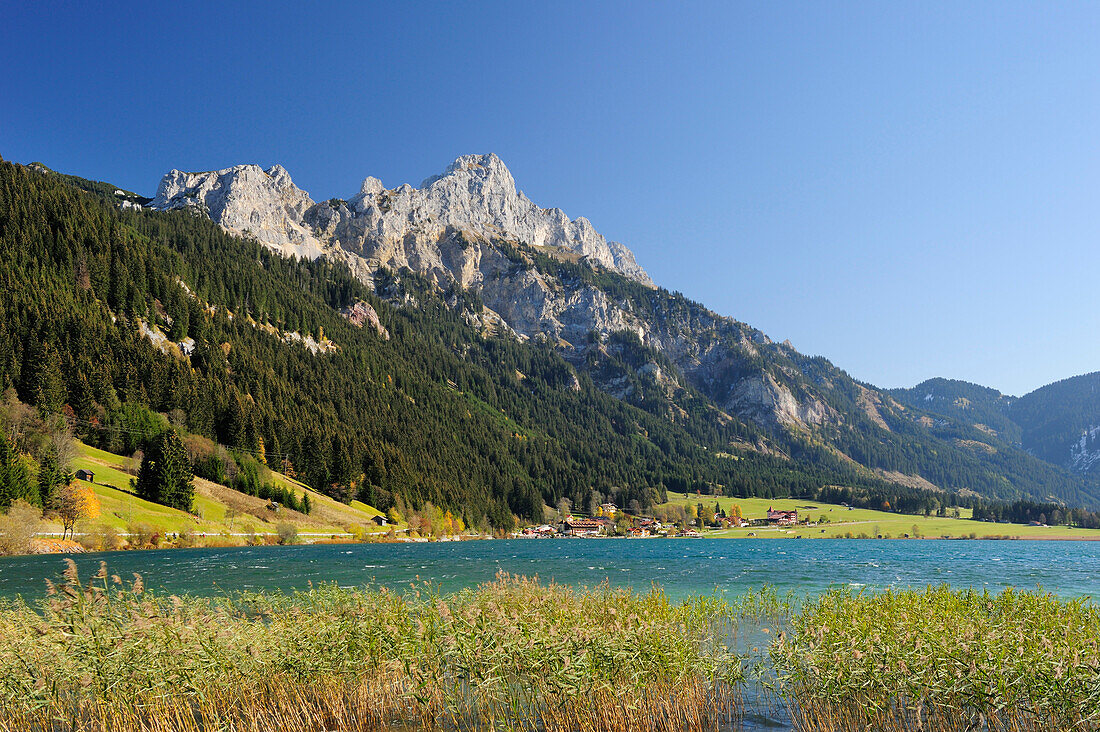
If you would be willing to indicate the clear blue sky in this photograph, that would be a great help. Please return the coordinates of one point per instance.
(910, 189)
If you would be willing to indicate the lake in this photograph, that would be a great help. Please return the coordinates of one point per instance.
(681, 566)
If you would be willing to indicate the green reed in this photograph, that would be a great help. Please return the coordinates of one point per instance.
(517, 653)
(942, 659)
(514, 652)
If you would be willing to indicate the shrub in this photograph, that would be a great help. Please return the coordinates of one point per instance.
(288, 533)
(141, 535)
(101, 537)
(18, 527)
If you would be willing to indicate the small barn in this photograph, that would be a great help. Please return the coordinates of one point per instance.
(380, 520)
(85, 475)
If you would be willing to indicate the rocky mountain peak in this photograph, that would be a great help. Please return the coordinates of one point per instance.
(279, 176)
(246, 200)
(371, 186)
(395, 227)
(486, 173)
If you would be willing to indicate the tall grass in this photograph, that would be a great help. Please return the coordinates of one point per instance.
(942, 659)
(513, 653)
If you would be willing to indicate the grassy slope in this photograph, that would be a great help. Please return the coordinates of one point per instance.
(119, 507)
(843, 521)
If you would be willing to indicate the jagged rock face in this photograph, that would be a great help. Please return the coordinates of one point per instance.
(766, 401)
(475, 194)
(1084, 455)
(455, 228)
(437, 228)
(248, 201)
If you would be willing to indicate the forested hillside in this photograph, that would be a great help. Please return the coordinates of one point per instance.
(112, 313)
(487, 426)
(978, 406)
(1060, 423)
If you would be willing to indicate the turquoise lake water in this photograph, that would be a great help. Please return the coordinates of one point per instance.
(681, 566)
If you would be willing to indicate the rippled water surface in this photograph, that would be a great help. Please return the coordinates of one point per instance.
(681, 566)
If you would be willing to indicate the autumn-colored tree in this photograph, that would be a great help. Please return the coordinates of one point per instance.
(288, 467)
(75, 501)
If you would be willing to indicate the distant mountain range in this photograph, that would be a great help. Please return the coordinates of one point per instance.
(1058, 423)
(498, 314)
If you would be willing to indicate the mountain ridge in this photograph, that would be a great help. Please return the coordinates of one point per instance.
(475, 192)
(1058, 422)
(538, 275)
(652, 391)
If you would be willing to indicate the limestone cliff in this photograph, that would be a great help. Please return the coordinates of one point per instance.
(248, 201)
(471, 227)
(399, 227)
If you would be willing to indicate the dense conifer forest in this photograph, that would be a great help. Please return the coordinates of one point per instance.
(488, 427)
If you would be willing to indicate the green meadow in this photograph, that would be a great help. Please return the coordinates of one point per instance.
(843, 522)
(219, 511)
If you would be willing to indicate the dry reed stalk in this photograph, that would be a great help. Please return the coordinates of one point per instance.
(513, 654)
(811, 715)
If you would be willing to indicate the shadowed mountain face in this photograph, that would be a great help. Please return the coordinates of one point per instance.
(1058, 423)
(532, 274)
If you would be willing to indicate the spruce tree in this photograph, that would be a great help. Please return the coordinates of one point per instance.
(50, 477)
(15, 480)
(165, 476)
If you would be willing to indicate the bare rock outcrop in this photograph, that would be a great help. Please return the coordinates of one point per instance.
(362, 314)
(439, 226)
(248, 201)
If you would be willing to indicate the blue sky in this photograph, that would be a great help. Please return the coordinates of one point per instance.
(910, 189)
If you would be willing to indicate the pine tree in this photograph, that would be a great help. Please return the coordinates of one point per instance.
(15, 480)
(41, 382)
(81, 397)
(50, 477)
(165, 476)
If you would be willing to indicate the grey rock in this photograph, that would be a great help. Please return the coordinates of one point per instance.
(248, 201)
(463, 227)
(475, 198)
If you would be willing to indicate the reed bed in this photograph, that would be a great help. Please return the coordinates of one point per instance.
(512, 654)
(518, 654)
(942, 660)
